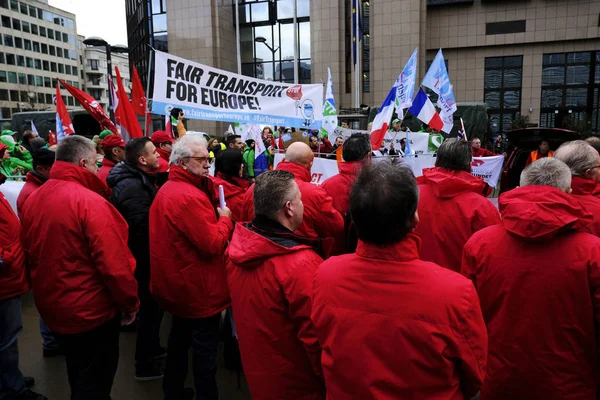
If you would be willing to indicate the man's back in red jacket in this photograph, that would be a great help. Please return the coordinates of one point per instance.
(235, 189)
(452, 207)
(538, 279)
(270, 276)
(13, 277)
(32, 182)
(583, 192)
(82, 270)
(390, 325)
(320, 219)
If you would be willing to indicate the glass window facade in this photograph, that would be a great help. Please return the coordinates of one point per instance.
(502, 90)
(571, 88)
(272, 57)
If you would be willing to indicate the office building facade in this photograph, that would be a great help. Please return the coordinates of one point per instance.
(535, 58)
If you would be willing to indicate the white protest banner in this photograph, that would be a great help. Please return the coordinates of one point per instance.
(213, 94)
(488, 168)
(11, 190)
(418, 141)
(345, 133)
(322, 168)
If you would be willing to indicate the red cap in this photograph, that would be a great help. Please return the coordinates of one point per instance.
(113, 140)
(159, 137)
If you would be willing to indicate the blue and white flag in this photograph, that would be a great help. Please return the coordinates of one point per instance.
(34, 129)
(405, 85)
(437, 79)
(330, 119)
(407, 150)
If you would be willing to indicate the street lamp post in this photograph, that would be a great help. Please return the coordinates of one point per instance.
(260, 39)
(95, 41)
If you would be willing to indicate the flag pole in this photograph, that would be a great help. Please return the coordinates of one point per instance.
(237, 38)
(148, 91)
(295, 42)
(358, 57)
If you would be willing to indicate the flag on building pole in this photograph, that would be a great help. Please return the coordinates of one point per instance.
(64, 126)
(437, 79)
(381, 122)
(92, 106)
(405, 87)
(423, 109)
(462, 132)
(34, 129)
(130, 127)
(330, 119)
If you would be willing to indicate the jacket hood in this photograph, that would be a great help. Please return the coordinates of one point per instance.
(256, 242)
(583, 186)
(541, 212)
(107, 163)
(446, 183)
(298, 170)
(123, 170)
(65, 171)
(350, 168)
(35, 178)
(165, 155)
(231, 188)
(204, 183)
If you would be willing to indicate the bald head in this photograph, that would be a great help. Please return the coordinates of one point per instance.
(299, 153)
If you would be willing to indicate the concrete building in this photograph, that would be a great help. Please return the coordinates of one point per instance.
(38, 44)
(95, 68)
(535, 58)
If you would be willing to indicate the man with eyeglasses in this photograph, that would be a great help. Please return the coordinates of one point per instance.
(188, 238)
(584, 162)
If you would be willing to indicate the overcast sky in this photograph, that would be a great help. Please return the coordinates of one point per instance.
(105, 18)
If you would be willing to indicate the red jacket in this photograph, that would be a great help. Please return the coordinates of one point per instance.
(394, 327)
(235, 190)
(270, 275)
(583, 190)
(13, 278)
(80, 266)
(163, 161)
(107, 165)
(32, 183)
(538, 280)
(451, 209)
(481, 152)
(187, 243)
(338, 188)
(320, 219)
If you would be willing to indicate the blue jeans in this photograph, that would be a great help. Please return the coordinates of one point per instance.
(47, 336)
(11, 324)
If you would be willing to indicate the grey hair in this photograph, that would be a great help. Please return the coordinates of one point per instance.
(547, 172)
(74, 148)
(579, 156)
(271, 191)
(455, 154)
(182, 147)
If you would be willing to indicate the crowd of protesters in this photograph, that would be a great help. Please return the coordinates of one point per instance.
(374, 285)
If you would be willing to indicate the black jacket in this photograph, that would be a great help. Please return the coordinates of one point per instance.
(132, 194)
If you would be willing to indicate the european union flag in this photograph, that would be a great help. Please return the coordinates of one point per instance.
(357, 31)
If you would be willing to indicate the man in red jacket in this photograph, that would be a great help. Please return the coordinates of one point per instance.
(13, 284)
(356, 152)
(188, 237)
(82, 271)
(321, 220)
(114, 152)
(538, 278)
(390, 325)
(270, 274)
(478, 151)
(164, 143)
(584, 162)
(452, 205)
(43, 159)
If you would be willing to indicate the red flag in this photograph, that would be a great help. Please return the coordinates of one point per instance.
(64, 126)
(92, 106)
(52, 138)
(138, 97)
(128, 120)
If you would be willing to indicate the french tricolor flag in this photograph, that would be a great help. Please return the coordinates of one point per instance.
(381, 122)
(423, 109)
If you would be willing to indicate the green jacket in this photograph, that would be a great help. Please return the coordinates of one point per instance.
(7, 167)
(249, 162)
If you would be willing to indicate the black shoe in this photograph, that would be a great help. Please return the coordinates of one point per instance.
(27, 395)
(160, 352)
(29, 381)
(53, 353)
(148, 372)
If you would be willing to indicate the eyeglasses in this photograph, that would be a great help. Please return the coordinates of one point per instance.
(208, 160)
